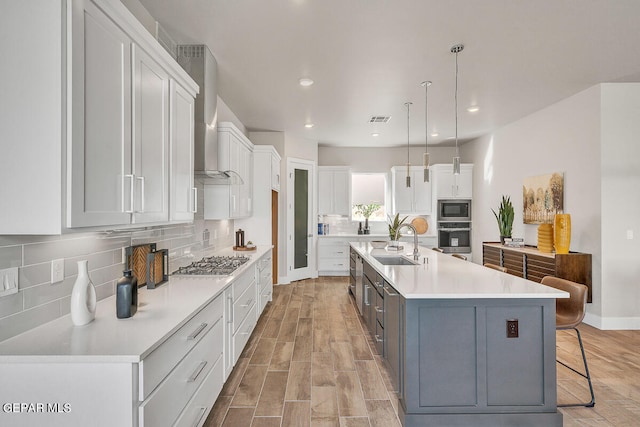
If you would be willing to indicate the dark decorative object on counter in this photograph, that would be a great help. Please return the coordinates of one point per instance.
(360, 230)
(157, 268)
(366, 226)
(126, 296)
(240, 238)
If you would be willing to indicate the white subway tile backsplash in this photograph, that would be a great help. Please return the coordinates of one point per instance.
(11, 304)
(10, 256)
(35, 274)
(38, 301)
(28, 319)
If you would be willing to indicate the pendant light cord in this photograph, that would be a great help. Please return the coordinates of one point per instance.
(456, 102)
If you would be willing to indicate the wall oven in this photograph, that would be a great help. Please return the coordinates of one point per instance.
(454, 237)
(454, 210)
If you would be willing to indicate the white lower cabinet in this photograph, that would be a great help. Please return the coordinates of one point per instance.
(333, 256)
(168, 381)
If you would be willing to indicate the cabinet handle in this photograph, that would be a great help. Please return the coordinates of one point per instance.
(141, 179)
(340, 252)
(197, 372)
(230, 300)
(197, 332)
(247, 332)
(248, 304)
(391, 294)
(203, 411)
(378, 339)
(130, 210)
(366, 294)
(379, 310)
(194, 203)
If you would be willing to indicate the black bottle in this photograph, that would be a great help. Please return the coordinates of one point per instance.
(126, 296)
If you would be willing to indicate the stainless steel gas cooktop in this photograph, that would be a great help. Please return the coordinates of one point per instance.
(213, 266)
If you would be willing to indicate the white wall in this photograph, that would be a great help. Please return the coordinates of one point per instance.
(620, 164)
(592, 138)
(380, 159)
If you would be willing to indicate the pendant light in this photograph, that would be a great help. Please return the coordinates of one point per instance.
(425, 156)
(456, 160)
(408, 104)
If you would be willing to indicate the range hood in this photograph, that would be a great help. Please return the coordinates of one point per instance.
(200, 64)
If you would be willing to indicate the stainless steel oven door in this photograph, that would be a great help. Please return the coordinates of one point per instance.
(455, 239)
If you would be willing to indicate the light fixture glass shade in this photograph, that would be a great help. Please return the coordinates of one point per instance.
(408, 181)
(425, 163)
(456, 165)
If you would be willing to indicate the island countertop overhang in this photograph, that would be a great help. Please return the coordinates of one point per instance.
(441, 276)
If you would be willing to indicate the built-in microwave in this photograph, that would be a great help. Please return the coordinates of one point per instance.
(454, 210)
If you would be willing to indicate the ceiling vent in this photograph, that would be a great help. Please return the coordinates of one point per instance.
(379, 119)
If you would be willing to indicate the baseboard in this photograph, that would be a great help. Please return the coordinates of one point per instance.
(612, 323)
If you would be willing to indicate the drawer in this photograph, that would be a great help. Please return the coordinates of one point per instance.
(163, 359)
(337, 251)
(243, 282)
(167, 401)
(265, 297)
(333, 264)
(241, 337)
(265, 276)
(195, 414)
(263, 263)
(242, 305)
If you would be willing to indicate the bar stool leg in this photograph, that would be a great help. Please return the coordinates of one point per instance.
(585, 375)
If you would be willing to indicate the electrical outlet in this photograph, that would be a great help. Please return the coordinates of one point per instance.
(57, 270)
(9, 281)
(512, 328)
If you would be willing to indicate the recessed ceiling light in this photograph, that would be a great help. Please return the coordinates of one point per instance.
(434, 134)
(305, 82)
(473, 109)
(375, 134)
(308, 125)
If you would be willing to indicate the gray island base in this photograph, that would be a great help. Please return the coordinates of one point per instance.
(450, 343)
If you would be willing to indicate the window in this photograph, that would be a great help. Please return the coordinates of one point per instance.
(368, 188)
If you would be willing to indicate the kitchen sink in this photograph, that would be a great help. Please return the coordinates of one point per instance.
(395, 260)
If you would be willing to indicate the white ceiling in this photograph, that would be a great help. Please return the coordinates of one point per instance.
(368, 57)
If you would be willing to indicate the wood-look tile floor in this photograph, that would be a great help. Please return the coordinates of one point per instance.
(310, 362)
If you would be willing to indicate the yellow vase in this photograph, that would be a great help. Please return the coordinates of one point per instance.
(545, 238)
(562, 233)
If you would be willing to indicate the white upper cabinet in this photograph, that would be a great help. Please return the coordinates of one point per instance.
(334, 190)
(233, 199)
(184, 198)
(450, 186)
(150, 166)
(413, 200)
(101, 183)
(108, 154)
(275, 171)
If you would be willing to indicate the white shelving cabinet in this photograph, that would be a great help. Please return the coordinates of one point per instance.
(450, 186)
(414, 200)
(334, 190)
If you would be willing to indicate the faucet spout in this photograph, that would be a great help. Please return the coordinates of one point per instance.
(416, 251)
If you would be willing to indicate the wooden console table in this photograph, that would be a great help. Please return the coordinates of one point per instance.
(530, 263)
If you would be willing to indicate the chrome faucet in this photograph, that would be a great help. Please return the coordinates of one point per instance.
(416, 252)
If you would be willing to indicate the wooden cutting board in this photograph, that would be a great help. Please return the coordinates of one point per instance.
(137, 261)
(420, 224)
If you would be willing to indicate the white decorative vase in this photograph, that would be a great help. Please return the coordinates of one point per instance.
(83, 297)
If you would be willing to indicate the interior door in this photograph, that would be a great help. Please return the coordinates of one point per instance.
(300, 241)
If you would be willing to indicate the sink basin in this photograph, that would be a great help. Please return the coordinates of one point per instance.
(395, 260)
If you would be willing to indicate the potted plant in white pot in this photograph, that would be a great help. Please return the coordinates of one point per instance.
(504, 216)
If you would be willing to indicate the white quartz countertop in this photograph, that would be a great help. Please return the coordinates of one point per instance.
(161, 312)
(380, 236)
(441, 276)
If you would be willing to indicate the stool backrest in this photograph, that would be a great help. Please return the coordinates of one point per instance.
(462, 257)
(495, 267)
(569, 311)
(438, 250)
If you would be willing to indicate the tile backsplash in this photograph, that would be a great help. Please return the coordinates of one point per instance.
(39, 301)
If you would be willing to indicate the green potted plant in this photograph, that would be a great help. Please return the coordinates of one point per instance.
(504, 216)
(366, 211)
(394, 224)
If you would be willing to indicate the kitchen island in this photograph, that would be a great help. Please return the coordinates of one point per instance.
(466, 345)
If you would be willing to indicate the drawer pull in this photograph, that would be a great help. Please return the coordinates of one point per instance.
(379, 310)
(203, 411)
(391, 294)
(230, 300)
(378, 339)
(197, 372)
(248, 304)
(248, 331)
(197, 332)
